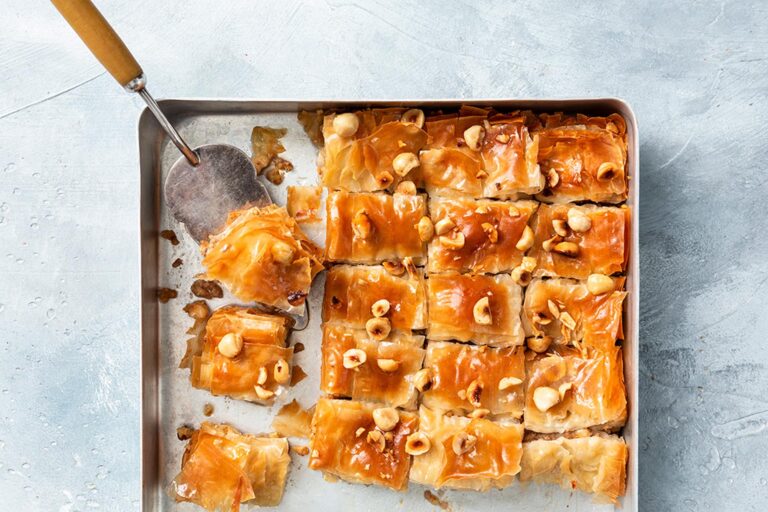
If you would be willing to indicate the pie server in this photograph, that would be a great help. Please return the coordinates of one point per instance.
(207, 182)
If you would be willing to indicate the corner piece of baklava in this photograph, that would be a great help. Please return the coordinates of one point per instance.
(362, 442)
(465, 453)
(594, 464)
(262, 255)
(243, 355)
(222, 468)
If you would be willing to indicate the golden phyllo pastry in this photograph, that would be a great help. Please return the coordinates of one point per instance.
(243, 355)
(465, 453)
(352, 291)
(576, 241)
(595, 464)
(263, 256)
(371, 150)
(567, 310)
(569, 390)
(471, 378)
(583, 158)
(362, 442)
(222, 468)
(304, 203)
(374, 227)
(357, 366)
(477, 308)
(509, 157)
(478, 236)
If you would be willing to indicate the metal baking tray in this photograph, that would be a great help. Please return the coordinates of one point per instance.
(168, 400)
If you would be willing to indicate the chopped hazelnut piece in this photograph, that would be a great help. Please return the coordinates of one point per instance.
(388, 365)
(479, 413)
(454, 241)
(385, 179)
(578, 221)
(263, 394)
(540, 344)
(549, 244)
(563, 389)
(262, 377)
(230, 344)
(394, 267)
(378, 328)
(444, 225)
(413, 116)
(300, 449)
(353, 358)
(410, 267)
(541, 318)
(513, 211)
(606, 171)
(569, 249)
(360, 431)
(473, 136)
(423, 380)
(552, 178)
(598, 284)
(463, 443)
(361, 225)
(405, 163)
(526, 240)
(521, 276)
(346, 125)
(491, 231)
(560, 226)
(567, 320)
(474, 392)
(553, 308)
(386, 418)
(380, 308)
(417, 444)
(282, 252)
(508, 382)
(482, 311)
(502, 138)
(426, 229)
(544, 398)
(376, 438)
(407, 188)
(281, 371)
(482, 209)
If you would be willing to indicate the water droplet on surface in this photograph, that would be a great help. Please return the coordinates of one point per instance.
(50, 314)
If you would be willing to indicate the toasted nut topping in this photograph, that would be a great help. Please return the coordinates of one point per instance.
(388, 365)
(491, 231)
(552, 178)
(473, 136)
(563, 389)
(230, 344)
(353, 358)
(380, 308)
(426, 229)
(417, 444)
(508, 382)
(560, 226)
(410, 267)
(282, 252)
(513, 211)
(502, 138)
(407, 188)
(405, 163)
(376, 438)
(567, 320)
(262, 393)
(444, 225)
(378, 328)
(539, 345)
(455, 241)
(360, 431)
(346, 125)
(413, 116)
(474, 392)
(606, 171)
(549, 244)
(385, 179)
(552, 307)
(386, 418)
(394, 267)
(578, 221)
(521, 276)
(481, 174)
(482, 311)
(526, 240)
(528, 263)
(463, 443)
(482, 209)
(479, 413)
(598, 284)
(389, 437)
(300, 449)
(569, 249)
(423, 379)
(541, 318)
(281, 372)
(462, 393)
(361, 225)
(544, 398)
(262, 377)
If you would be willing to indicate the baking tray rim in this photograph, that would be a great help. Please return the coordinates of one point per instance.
(178, 108)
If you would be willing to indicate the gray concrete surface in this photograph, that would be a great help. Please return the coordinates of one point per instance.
(696, 73)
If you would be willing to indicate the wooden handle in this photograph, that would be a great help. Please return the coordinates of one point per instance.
(100, 38)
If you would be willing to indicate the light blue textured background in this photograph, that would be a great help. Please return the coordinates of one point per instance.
(696, 73)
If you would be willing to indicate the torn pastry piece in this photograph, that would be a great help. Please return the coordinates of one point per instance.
(465, 453)
(222, 468)
(266, 145)
(491, 232)
(263, 256)
(365, 151)
(243, 355)
(352, 441)
(374, 227)
(568, 311)
(576, 241)
(583, 158)
(352, 291)
(477, 308)
(469, 378)
(568, 390)
(292, 420)
(304, 203)
(509, 154)
(595, 464)
(358, 367)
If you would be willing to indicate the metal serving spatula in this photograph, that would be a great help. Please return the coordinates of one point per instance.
(207, 182)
